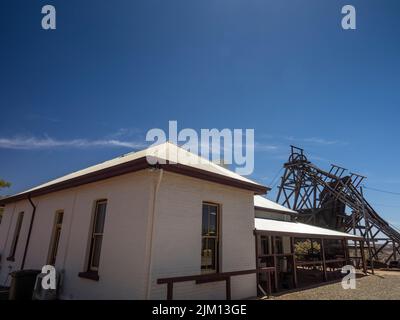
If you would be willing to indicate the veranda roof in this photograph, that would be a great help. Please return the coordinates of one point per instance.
(265, 204)
(300, 230)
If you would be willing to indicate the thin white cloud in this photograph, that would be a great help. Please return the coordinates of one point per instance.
(34, 143)
(265, 147)
(313, 157)
(320, 141)
(125, 133)
(315, 140)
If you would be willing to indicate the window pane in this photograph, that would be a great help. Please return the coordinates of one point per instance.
(53, 255)
(204, 228)
(100, 216)
(60, 216)
(209, 250)
(1, 213)
(204, 255)
(97, 240)
(264, 245)
(213, 223)
(210, 220)
(211, 245)
(208, 254)
(278, 245)
(213, 209)
(55, 238)
(16, 234)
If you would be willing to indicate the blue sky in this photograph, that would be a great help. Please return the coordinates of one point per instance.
(112, 70)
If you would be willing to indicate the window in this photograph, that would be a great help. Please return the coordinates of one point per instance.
(264, 245)
(16, 236)
(1, 213)
(278, 245)
(97, 235)
(210, 238)
(55, 239)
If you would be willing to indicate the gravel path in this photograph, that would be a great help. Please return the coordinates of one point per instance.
(383, 285)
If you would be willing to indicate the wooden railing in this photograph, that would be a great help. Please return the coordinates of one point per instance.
(319, 262)
(212, 277)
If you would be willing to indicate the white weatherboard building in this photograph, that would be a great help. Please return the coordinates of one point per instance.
(115, 229)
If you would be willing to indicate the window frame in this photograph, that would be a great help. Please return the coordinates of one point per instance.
(278, 245)
(93, 234)
(265, 242)
(55, 238)
(16, 237)
(1, 213)
(217, 238)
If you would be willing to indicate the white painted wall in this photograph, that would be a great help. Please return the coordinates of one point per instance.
(125, 250)
(177, 242)
(122, 266)
(7, 230)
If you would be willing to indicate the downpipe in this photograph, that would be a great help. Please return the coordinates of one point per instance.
(29, 232)
(150, 262)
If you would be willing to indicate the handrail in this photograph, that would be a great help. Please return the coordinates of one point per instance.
(313, 262)
(211, 277)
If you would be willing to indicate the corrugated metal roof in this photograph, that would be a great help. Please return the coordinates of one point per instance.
(261, 202)
(299, 229)
(166, 153)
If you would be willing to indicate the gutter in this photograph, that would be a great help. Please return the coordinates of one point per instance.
(133, 166)
(29, 232)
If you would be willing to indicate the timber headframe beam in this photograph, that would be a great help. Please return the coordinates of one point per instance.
(334, 199)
